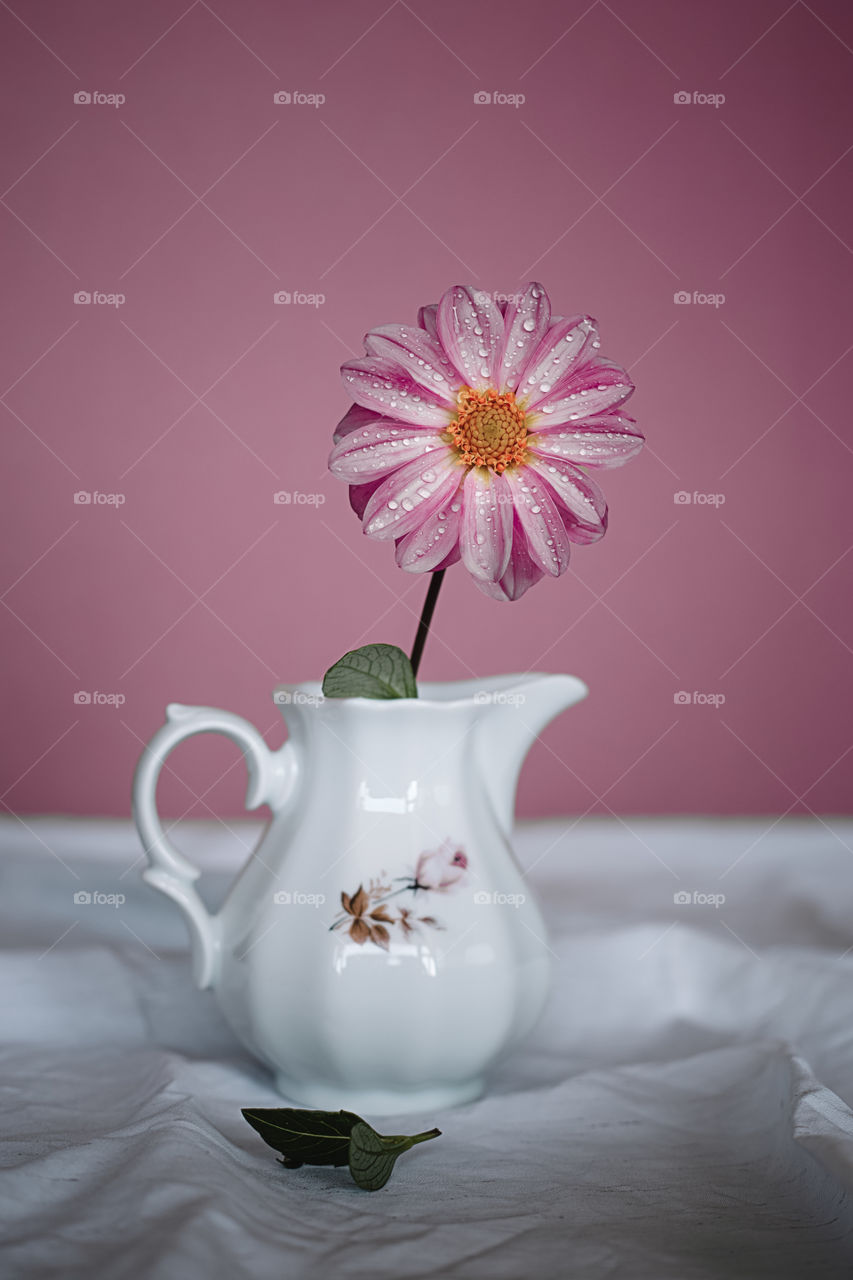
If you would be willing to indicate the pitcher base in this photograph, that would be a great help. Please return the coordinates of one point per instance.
(365, 1102)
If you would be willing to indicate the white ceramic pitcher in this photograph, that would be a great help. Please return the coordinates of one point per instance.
(380, 950)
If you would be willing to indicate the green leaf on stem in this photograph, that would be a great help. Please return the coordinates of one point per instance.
(373, 671)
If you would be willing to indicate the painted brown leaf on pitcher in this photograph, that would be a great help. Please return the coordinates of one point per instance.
(365, 916)
(366, 925)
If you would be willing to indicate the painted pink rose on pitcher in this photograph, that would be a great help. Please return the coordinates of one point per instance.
(365, 917)
(439, 869)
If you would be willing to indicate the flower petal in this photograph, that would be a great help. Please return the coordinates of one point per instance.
(471, 330)
(411, 494)
(521, 572)
(592, 389)
(422, 357)
(354, 417)
(381, 385)
(525, 322)
(434, 544)
(541, 520)
(485, 538)
(578, 498)
(563, 347)
(381, 447)
(608, 440)
(360, 495)
(426, 319)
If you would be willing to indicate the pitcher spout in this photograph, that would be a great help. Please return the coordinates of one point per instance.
(514, 715)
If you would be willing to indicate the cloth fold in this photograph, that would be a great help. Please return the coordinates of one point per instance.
(683, 1109)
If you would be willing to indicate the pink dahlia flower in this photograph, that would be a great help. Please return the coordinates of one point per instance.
(471, 435)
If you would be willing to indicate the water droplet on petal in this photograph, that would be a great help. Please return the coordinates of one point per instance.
(407, 504)
(392, 506)
(528, 326)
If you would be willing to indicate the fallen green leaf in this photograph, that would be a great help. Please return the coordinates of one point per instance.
(372, 1157)
(304, 1137)
(333, 1138)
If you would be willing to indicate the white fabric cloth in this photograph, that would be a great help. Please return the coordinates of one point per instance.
(681, 1111)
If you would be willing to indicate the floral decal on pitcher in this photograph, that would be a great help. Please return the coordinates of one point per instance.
(366, 916)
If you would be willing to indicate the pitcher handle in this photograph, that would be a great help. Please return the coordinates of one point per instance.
(270, 779)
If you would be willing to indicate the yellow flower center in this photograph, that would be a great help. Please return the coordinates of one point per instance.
(489, 429)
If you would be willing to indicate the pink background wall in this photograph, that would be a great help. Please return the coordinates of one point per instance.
(199, 197)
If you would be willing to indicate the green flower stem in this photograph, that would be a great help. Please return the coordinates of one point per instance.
(426, 617)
